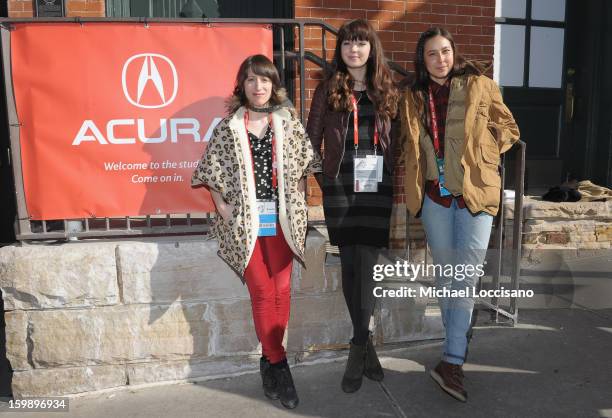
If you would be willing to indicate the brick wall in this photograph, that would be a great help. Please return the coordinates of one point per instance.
(20, 8)
(399, 23)
(82, 8)
(85, 8)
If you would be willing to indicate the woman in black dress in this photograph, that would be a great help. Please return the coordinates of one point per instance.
(350, 115)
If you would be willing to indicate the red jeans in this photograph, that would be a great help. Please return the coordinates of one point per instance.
(268, 277)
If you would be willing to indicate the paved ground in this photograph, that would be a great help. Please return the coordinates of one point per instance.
(555, 363)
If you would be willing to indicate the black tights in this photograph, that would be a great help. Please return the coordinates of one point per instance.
(357, 263)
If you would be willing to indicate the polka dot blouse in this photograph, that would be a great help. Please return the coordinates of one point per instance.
(261, 150)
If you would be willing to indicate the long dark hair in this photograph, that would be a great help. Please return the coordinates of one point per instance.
(379, 83)
(262, 66)
(420, 87)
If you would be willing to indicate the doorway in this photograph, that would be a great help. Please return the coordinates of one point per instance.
(550, 63)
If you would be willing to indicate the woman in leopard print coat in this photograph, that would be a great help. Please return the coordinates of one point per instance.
(261, 152)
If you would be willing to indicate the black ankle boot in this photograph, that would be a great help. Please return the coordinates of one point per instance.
(353, 375)
(270, 385)
(286, 389)
(373, 370)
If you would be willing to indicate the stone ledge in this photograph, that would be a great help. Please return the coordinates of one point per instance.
(66, 276)
(198, 327)
(17, 339)
(535, 208)
(578, 226)
(314, 277)
(185, 370)
(318, 322)
(118, 334)
(165, 272)
(402, 317)
(191, 271)
(231, 328)
(69, 380)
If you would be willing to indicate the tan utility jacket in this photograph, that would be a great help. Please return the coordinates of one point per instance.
(488, 130)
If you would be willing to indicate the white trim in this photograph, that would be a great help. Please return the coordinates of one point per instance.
(236, 124)
(279, 137)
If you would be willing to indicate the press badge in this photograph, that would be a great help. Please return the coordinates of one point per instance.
(379, 167)
(441, 179)
(267, 218)
(367, 173)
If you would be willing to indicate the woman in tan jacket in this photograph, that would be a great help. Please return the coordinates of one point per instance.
(454, 127)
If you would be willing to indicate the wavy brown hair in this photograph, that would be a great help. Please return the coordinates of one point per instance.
(420, 87)
(379, 83)
(262, 66)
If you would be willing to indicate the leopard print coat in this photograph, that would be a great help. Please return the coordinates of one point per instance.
(223, 168)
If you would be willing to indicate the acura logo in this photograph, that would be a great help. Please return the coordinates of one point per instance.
(152, 89)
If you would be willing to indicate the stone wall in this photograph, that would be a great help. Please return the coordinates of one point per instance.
(82, 317)
(579, 225)
(546, 225)
(567, 253)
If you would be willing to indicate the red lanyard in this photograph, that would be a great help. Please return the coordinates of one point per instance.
(356, 125)
(434, 124)
(246, 128)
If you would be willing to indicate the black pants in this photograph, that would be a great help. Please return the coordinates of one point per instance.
(357, 262)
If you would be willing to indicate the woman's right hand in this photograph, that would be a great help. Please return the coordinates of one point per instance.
(223, 208)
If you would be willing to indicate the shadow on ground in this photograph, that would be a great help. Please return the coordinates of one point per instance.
(555, 363)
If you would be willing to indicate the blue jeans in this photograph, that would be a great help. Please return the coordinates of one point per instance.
(456, 238)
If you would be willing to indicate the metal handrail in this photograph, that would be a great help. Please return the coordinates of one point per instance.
(517, 231)
(190, 224)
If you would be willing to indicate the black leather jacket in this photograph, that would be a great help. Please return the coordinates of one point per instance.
(329, 128)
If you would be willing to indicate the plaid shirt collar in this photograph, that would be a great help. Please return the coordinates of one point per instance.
(439, 89)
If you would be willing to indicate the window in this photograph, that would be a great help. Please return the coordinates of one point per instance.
(200, 8)
(162, 8)
(529, 43)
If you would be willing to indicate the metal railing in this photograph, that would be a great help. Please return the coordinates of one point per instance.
(517, 238)
(188, 223)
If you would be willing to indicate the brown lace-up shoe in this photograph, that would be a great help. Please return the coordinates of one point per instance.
(450, 378)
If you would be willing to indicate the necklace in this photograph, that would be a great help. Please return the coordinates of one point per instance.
(268, 109)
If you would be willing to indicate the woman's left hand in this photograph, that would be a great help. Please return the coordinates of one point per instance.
(302, 186)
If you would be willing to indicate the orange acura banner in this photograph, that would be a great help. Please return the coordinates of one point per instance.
(115, 116)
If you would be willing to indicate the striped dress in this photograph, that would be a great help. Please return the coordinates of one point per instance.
(358, 218)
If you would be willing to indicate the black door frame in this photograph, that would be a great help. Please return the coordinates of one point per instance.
(518, 97)
(584, 141)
